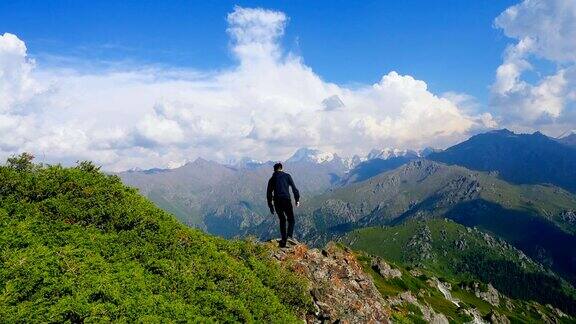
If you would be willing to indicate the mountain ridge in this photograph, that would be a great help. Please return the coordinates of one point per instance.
(518, 158)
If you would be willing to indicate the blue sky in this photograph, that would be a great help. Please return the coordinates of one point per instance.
(159, 83)
(453, 44)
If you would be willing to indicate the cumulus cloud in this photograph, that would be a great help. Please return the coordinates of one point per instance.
(546, 30)
(17, 86)
(266, 106)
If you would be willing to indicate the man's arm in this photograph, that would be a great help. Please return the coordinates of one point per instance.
(294, 189)
(269, 191)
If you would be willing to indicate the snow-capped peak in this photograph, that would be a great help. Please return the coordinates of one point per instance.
(245, 163)
(311, 155)
(387, 153)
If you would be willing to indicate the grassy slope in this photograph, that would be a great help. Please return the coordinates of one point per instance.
(483, 258)
(78, 245)
(527, 216)
(522, 311)
(396, 192)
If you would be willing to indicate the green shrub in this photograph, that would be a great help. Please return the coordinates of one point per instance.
(77, 245)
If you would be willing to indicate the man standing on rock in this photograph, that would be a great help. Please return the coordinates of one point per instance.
(278, 191)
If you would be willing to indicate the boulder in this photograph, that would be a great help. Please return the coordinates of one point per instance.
(384, 269)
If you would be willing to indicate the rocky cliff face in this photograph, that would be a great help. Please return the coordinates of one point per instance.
(341, 291)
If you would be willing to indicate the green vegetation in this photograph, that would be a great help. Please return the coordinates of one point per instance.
(537, 219)
(77, 245)
(454, 253)
(426, 295)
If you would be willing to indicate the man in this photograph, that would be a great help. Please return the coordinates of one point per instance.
(279, 192)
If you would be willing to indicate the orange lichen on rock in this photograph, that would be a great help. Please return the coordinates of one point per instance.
(341, 291)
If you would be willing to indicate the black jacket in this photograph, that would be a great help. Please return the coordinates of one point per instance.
(278, 187)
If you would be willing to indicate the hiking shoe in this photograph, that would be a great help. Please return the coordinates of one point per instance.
(281, 244)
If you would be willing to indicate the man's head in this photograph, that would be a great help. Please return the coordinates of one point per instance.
(278, 167)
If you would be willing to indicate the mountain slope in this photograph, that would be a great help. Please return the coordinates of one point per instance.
(455, 253)
(373, 167)
(536, 219)
(569, 139)
(78, 245)
(518, 158)
(181, 190)
(223, 200)
(382, 160)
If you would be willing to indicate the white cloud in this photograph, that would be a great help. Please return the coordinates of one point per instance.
(544, 29)
(16, 85)
(549, 26)
(266, 107)
(255, 33)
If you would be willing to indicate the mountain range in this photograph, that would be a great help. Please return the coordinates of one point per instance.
(79, 246)
(518, 188)
(225, 199)
(518, 158)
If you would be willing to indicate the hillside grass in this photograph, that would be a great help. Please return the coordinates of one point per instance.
(483, 258)
(427, 295)
(77, 245)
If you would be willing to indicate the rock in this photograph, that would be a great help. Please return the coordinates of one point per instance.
(460, 244)
(341, 291)
(416, 272)
(445, 288)
(476, 316)
(489, 295)
(431, 316)
(384, 269)
(496, 318)
(492, 296)
(556, 311)
(489, 240)
(428, 314)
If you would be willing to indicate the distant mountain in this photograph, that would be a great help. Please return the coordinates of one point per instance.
(373, 167)
(316, 156)
(382, 160)
(228, 199)
(247, 163)
(517, 158)
(225, 200)
(182, 190)
(568, 138)
(388, 153)
(311, 155)
(457, 254)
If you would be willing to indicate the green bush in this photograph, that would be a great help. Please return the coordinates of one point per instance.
(77, 245)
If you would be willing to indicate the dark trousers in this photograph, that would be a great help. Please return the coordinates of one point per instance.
(284, 210)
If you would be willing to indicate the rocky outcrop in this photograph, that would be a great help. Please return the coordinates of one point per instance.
(384, 269)
(428, 313)
(341, 291)
(487, 293)
(420, 246)
(496, 318)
